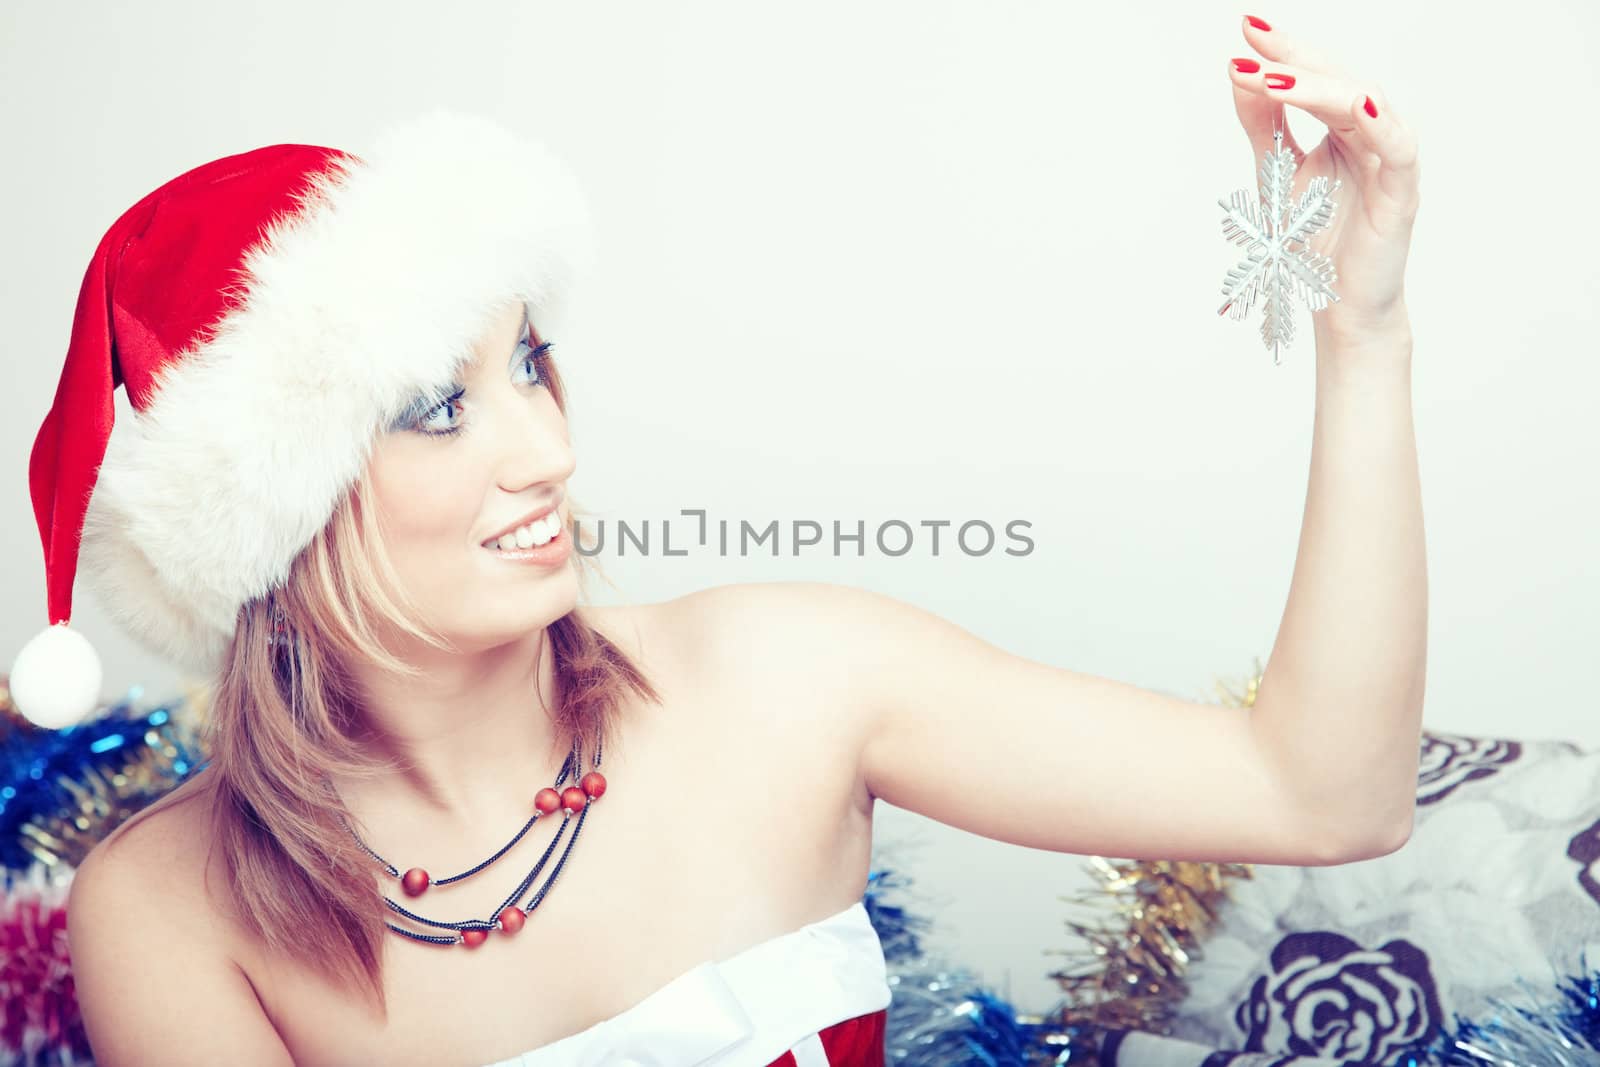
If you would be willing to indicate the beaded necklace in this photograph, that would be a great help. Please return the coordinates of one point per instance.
(508, 918)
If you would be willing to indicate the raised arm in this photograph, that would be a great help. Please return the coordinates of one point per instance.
(950, 726)
(1340, 705)
(1323, 768)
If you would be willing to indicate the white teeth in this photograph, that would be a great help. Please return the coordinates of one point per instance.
(534, 533)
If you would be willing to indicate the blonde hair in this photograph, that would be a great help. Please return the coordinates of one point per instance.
(286, 719)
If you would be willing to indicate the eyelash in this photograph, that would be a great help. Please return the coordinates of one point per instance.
(538, 355)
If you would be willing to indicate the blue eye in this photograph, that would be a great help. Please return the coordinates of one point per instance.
(424, 424)
(535, 357)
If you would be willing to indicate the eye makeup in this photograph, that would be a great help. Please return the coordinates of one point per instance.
(414, 416)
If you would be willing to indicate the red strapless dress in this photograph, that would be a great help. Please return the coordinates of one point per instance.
(855, 1042)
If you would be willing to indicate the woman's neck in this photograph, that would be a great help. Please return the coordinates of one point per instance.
(471, 736)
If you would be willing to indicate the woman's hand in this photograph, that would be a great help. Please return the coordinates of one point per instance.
(1374, 155)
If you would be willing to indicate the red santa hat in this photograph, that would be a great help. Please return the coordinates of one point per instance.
(269, 314)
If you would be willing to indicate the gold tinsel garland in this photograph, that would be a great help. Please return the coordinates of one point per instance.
(1130, 971)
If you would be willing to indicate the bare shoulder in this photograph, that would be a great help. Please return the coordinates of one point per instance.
(763, 685)
(798, 671)
(145, 933)
(767, 646)
(771, 628)
(166, 852)
(797, 650)
(165, 843)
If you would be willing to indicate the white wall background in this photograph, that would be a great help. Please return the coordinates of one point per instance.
(932, 261)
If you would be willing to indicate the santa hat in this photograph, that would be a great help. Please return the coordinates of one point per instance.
(269, 314)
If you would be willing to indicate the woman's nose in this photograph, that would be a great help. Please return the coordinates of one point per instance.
(535, 448)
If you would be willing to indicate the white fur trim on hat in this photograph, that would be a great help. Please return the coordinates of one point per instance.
(354, 306)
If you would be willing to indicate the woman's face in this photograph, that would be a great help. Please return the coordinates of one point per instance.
(451, 474)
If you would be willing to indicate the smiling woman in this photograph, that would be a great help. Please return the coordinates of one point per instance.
(417, 712)
(492, 457)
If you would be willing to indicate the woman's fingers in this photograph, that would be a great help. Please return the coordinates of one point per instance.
(1395, 147)
(1276, 47)
(1331, 99)
(1259, 113)
(1373, 139)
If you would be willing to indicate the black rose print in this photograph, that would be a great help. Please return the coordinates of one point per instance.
(1449, 761)
(1584, 847)
(1328, 996)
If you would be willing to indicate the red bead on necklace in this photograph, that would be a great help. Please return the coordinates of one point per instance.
(508, 918)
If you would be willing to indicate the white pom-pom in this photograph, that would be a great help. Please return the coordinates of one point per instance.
(55, 679)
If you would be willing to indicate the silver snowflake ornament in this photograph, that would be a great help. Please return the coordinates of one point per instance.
(1278, 260)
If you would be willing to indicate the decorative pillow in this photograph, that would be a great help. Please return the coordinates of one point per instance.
(1493, 900)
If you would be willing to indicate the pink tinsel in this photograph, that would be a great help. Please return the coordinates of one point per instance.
(42, 1025)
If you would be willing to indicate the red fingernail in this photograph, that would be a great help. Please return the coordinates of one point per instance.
(1257, 23)
(1246, 66)
(1372, 109)
(1285, 81)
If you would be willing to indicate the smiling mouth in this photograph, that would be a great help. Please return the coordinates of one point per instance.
(529, 535)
